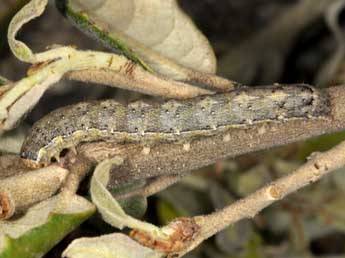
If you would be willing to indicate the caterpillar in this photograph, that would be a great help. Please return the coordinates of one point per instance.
(150, 122)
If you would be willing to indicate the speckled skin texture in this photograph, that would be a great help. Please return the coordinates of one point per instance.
(173, 120)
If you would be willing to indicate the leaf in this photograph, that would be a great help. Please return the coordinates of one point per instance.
(11, 8)
(154, 33)
(109, 208)
(110, 246)
(43, 226)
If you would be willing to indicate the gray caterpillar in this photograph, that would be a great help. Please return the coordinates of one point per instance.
(170, 121)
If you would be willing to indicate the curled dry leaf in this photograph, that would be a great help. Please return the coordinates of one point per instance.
(30, 11)
(7, 10)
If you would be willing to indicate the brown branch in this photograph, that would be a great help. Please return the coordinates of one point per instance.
(174, 158)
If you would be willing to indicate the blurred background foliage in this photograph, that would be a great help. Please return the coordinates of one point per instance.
(306, 224)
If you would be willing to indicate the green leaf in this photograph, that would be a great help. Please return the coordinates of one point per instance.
(42, 227)
(110, 246)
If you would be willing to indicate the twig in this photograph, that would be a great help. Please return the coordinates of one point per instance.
(319, 165)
